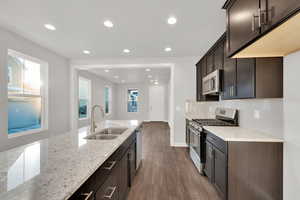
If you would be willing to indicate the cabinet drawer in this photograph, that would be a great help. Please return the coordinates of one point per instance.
(217, 142)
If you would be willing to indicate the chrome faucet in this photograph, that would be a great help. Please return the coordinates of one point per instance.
(93, 123)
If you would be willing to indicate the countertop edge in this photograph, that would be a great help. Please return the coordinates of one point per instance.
(268, 139)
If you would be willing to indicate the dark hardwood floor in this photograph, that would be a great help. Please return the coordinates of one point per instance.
(167, 173)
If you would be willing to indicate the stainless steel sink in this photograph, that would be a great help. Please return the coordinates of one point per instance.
(106, 134)
(112, 131)
(101, 137)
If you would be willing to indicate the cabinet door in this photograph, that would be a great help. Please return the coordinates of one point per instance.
(109, 190)
(209, 164)
(187, 132)
(220, 172)
(219, 55)
(123, 177)
(229, 78)
(199, 82)
(210, 62)
(245, 78)
(132, 163)
(242, 19)
(204, 67)
(273, 11)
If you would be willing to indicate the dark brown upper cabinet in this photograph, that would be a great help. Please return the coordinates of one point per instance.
(210, 62)
(242, 24)
(200, 73)
(242, 78)
(274, 11)
(199, 83)
(246, 78)
(229, 78)
(219, 55)
(249, 20)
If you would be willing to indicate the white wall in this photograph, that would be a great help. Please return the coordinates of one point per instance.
(184, 88)
(291, 126)
(59, 86)
(97, 95)
(143, 102)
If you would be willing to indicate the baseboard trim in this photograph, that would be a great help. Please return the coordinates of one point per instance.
(177, 144)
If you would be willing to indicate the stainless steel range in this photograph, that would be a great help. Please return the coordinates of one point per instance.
(224, 117)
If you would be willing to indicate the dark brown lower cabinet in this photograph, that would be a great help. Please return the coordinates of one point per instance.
(220, 171)
(132, 162)
(209, 165)
(113, 179)
(187, 133)
(245, 170)
(110, 188)
(123, 177)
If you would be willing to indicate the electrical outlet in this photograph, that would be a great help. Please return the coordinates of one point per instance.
(256, 114)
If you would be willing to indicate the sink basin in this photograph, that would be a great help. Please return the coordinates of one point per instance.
(101, 137)
(112, 131)
(106, 134)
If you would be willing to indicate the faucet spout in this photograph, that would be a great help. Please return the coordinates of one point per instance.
(93, 123)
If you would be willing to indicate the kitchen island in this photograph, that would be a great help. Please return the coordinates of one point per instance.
(55, 168)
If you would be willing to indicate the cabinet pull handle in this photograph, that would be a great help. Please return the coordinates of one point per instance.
(253, 23)
(112, 164)
(87, 195)
(113, 189)
(259, 17)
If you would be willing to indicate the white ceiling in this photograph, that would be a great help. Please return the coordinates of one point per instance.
(134, 74)
(140, 25)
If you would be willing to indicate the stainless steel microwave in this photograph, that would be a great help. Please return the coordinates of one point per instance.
(211, 83)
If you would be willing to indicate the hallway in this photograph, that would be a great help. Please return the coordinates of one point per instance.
(167, 173)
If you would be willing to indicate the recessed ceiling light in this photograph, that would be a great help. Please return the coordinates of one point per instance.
(106, 70)
(126, 51)
(172, 20)
(149, 76)
(156, 83)
(50, 27)
(168, 49)
(108, 24)
(116, 77)
(86, 52)
(123, 81)
(148, 70)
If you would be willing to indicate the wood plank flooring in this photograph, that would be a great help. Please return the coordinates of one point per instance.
(167, 173)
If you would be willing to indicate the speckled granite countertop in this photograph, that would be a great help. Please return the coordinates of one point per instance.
(239, 134)
(54, 168)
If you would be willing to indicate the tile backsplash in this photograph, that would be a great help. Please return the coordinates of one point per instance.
(264, 115)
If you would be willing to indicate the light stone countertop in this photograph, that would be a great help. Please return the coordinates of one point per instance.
(239, 134)
(54, 168)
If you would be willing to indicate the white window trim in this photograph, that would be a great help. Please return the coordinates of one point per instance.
(138, 109)
(109, 100)
(89, 96)
(43, 95)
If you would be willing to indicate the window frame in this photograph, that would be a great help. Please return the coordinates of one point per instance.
(43, 93)
(109, 100)
(138, 110)
(89, 98)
